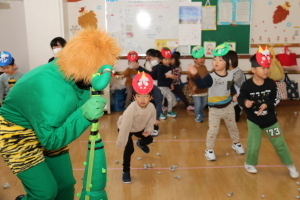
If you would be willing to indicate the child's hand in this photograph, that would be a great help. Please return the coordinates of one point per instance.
(119, 76)
(146, 133)
(172, 76)
(172, 87)
(261, 109)
(234, 98)
(192, 69)
(157, 123)
(248, 103)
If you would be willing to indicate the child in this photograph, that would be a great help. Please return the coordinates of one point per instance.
(10, 75)
(238, 79)
(133, 64)
(176, 68)
(151, 55)
(259, 96)
(220, 107)
(199, 95)
(163, 82)
(138, 120)
(147, 64)
(56, 45)
(154, 58)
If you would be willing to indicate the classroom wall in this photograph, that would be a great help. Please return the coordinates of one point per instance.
(18, 20)
(13, 33)
(44, 20)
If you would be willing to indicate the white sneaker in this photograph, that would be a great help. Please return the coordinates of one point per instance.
(293, 171)
(238, 147)
(210, 155)
(250, 169)
(154, 133)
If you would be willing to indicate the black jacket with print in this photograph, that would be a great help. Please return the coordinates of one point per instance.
(260, 94)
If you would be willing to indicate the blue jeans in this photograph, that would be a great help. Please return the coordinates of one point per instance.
(199, 105)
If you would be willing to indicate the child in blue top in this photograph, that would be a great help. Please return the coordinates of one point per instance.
(10, 75)
(220, 84)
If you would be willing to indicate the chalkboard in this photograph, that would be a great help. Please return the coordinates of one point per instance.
(225, 33)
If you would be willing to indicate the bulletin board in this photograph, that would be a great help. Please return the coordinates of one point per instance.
(277, 25)
(226, 33)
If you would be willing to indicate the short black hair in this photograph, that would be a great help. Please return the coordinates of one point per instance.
(59, 40)
(253, 61)
(233, 58)
(149, 51)
(226, 57)
(155, 53)
(176, 56)
(135, 93)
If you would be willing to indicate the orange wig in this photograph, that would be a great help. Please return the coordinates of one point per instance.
(86, 53)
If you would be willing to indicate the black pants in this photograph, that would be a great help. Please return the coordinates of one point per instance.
(237, 111)
(129, 149)
(179, 93)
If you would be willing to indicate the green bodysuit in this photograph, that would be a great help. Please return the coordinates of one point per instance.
(39, 117)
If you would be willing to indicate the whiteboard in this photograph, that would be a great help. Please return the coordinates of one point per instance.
(137, 24)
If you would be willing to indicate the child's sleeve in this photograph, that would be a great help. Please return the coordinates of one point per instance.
(274, 95)
(150, 124)
(151, 73)
(204, 82)
(125, 73)
(238, 78)
(161, 72)
(243, 95)
(125, 127)
(232, 90)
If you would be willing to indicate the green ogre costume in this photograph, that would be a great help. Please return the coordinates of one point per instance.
(47, 109)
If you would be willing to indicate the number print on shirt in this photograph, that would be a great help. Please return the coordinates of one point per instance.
(274, 132)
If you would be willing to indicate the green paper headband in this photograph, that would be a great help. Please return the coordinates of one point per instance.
(198, 51)
(221, 50)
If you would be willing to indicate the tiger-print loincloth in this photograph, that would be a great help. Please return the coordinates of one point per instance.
(20, 147)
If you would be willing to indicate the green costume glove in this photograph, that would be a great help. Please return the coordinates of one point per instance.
(93, 108)
(102, 78)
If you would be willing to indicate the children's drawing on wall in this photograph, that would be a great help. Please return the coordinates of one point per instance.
(74, 29)
(189, 14)
(208, 48)
(129, 32)
(87, 18)
(281, 12)
(84, 13)
(232, 45)
(279, 23)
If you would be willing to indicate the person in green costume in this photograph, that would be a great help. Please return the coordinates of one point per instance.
(48, 108)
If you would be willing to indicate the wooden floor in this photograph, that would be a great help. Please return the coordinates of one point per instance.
(199, 179)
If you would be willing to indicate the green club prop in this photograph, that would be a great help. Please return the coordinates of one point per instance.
(94, 180)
